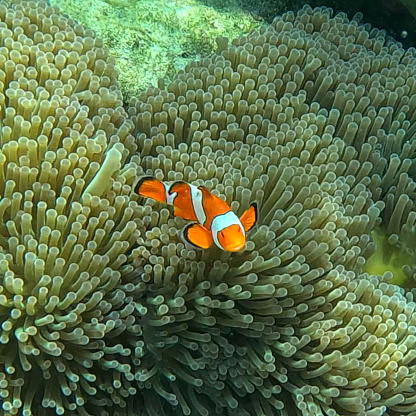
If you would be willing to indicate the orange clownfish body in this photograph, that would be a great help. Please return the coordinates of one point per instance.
(215, 222)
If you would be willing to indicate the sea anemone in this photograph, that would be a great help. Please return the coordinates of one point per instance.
(312, 118)
(104, 310)
(65, 208)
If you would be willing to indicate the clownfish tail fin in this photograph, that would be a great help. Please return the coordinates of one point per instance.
(151, 187)
(250, 217)
(197, 235)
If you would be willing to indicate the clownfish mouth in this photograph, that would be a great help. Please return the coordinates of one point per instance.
(235, 248)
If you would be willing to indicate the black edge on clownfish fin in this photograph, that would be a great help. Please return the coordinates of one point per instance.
(197, 235)
(250, 217)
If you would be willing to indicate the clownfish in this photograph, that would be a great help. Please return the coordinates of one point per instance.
(215, 222)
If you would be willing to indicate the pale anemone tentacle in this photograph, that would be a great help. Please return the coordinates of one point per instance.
(102, 179)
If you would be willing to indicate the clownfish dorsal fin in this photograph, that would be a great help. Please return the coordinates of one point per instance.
(151, 187)
(249, 217)
(178, 186)
(197, 235)
(208, 196)
(205, 192)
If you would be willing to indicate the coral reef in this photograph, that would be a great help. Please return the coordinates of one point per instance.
(155, 39)
(103, 310)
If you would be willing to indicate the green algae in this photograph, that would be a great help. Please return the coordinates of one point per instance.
(152, 40)
(389, 258)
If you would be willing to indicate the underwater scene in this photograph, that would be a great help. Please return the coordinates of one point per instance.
(208, 208)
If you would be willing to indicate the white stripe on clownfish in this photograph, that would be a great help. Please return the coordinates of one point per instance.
(170, 197)
(196, 199)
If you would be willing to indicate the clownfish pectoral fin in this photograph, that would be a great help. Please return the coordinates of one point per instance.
(197, 235)
(151, 188)
(249, 217)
